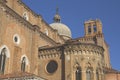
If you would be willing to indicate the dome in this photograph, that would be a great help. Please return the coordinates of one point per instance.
(62, 29)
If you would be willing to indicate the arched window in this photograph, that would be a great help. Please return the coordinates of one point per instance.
(46, 32)
(23, 64)
(95, 28)
(97, 75)
(89, 29)
(89, 74)
(25, 16)
(78, 74)
(2, 60)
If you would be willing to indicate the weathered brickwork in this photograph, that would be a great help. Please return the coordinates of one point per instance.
(30, 48)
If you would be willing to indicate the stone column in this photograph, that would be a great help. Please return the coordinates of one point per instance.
(94, 74)
(92, 29)
(83, 75)
(73, 76)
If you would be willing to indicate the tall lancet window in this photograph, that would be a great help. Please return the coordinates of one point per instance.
(97, 75)
(89, 75)
(2, 60)
(95, 28)
(89, 30)
(78, 74)
(23, 64)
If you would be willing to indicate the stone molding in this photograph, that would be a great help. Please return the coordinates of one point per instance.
(49, 53)
(71, 49)
(87, 39)
(26, 7)
(39, 16)
(83, 47)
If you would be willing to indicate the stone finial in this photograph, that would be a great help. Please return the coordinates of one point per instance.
(57, 17)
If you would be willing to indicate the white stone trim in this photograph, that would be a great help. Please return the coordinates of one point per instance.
(27, 61)
(25, 16)
(16, 35)
(8, 51)
(46, 32)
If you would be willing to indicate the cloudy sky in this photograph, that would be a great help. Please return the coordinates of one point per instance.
(75, 12)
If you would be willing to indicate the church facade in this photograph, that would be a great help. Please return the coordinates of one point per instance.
(31, 49)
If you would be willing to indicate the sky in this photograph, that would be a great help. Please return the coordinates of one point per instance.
(75, 12)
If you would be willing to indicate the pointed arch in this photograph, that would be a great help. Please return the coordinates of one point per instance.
(89, 73)
(4, 54)
(97, 74)
(25, 16)
(27, 60)
(7, 51)
(24, 63)
(78, 73)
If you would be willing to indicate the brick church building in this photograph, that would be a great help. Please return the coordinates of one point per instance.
(32, 49)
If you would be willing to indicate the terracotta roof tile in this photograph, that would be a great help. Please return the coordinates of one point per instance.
(18, 75)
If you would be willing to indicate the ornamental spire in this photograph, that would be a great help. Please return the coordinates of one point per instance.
(57, 10)
(57, 16)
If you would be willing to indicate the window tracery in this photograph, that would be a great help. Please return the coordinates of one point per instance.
(89, 74)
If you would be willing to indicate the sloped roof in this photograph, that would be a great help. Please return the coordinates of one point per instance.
(20, 75)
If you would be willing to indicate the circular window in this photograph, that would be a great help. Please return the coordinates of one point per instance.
(52, 66)
(16, 39)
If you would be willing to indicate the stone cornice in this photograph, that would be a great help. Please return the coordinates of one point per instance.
(35, 14)
(86, 47)
(25, 6)
(49, 53)
(20, 2)
(86, 38)
(48, 38)
(73, 48)
(81, 39)
(12, 13)
(77, 46)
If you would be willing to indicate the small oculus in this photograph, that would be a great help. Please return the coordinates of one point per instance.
(16, 39)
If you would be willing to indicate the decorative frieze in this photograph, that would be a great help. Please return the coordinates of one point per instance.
(49, 53)
(84, 49)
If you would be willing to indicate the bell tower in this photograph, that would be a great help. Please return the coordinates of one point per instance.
(93, 27)
(93, 31)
